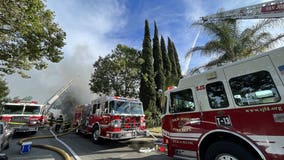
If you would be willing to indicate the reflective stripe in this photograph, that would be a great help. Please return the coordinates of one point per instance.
(181, 136)
(21, 123)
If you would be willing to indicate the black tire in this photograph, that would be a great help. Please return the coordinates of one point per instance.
(8, 143)
(228, 151)
(96, 135)
(33, 132)
(7, 146)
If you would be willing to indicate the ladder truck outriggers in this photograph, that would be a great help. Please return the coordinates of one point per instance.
(231, 112)
(111, 117)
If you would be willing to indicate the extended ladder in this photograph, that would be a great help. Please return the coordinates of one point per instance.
(272, 9)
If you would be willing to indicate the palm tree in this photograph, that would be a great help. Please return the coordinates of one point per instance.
(229, 44)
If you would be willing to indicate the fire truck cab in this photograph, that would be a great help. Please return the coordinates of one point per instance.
(23, 116)
(234, 112)
(111, 117)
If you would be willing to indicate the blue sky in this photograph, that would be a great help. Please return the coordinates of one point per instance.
(95, 27)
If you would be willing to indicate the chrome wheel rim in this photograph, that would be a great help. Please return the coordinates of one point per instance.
(226, 157)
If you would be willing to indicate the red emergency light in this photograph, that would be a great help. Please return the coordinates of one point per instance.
(171, 87)
(33, 101)
(16, 101)
(116, 97)
(20, 101)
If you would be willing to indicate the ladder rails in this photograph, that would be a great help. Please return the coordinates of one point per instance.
(272, 9)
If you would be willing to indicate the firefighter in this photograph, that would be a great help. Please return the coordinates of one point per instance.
(51, 121)
(59, 122)
(67, 126)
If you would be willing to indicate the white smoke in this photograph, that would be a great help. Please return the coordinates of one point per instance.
(44, 84)
(87, 39)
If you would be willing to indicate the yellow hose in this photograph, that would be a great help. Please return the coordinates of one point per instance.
(64, 154)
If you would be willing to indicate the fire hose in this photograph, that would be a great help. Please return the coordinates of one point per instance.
(60, 151)
(64, 154)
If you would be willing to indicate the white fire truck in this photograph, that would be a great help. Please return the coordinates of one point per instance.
(111, 117)
(233, 112)
(23, 116)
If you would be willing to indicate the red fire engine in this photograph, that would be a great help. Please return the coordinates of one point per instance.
(232, 112)
(113, 118)
(23, 116)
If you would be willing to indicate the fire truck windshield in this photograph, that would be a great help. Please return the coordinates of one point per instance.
(126, 107)
(32, 110)
(19, 109)
(13, 109)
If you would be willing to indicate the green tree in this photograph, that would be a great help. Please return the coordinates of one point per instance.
(117, 73)
(126, 63)
(4, 90)
(173, 79)
(230, 44)
(177, 61)
(100, 78)
(172, 57)
(158, 67)
(166, 63)
(28, 36)
(147, 86)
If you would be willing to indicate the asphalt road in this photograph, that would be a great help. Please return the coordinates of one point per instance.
(84, 149)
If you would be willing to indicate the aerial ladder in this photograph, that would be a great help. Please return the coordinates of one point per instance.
(271, 9)
(266, 10)
(57, 95)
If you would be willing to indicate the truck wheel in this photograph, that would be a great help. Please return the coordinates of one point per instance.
(96, 135)
(225, 150)
(8, 143)
(33, 132)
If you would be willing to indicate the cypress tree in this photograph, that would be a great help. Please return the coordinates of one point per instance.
(177, 61)
(147, 86)
(158, 67)
(158, 63)
(172, 57)
(166, 61)
(172, 79)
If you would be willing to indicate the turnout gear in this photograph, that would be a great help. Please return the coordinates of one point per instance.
(59, 122)
(51, 121)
